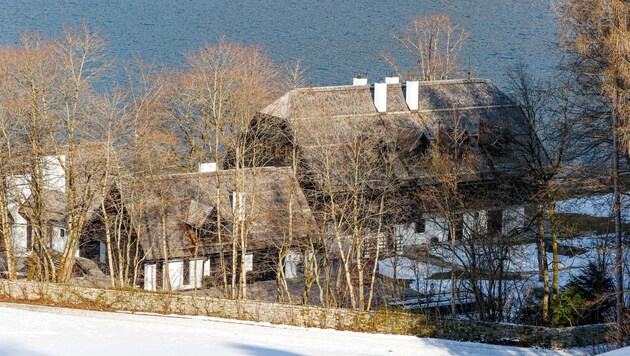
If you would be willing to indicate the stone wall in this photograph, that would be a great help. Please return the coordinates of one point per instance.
(522, 335)
(389, 322)
(172, 303)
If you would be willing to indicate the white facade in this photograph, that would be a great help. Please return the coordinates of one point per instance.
(249, 262)
(102, 252)
(513, 218)
(18, 231)
(436, 228)
(59, 238)
(20, 191)
(149, 276)
(291, 263)
(53, 172)
(176, 274)
(475, 222)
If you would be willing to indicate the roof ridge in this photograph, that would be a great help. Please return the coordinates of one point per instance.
(456, 81)
(422, 82)
(225, 171)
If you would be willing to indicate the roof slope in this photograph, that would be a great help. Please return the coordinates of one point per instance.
(477, 99)
(185, 202)
(326, 117)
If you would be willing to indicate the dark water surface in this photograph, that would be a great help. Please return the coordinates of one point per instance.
(335, 39)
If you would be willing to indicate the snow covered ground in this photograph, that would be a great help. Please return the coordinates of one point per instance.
(595, 205)
(36, 330)
(619, 352)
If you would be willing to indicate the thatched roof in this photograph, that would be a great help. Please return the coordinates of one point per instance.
(188, 203)
(54, 206)
(473, 99)
(328, 118)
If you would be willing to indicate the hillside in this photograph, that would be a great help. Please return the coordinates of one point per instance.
(36, 330)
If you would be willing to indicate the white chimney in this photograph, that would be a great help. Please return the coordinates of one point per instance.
(392, 80)
(359, 81)
(380, 97)
(411, 94)
(207, 167)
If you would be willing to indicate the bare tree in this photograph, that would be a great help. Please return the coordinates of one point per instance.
(595, 35)
(434, 43)
(211, 104)
(7, 148)
(449, 161)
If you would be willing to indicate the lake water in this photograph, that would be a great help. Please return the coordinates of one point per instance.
(335, 39)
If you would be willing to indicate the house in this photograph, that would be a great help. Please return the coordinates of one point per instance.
(326, 125)
(184, 223)
(24, 214)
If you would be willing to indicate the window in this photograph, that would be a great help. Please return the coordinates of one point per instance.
(62, 233)
(420, 225)
(459, 228)
(186, 271)
(399, 244)
(382, 242)
(29, 237)
(495, 222)
(49, 235)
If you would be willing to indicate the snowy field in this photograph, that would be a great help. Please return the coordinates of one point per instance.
(35, 330)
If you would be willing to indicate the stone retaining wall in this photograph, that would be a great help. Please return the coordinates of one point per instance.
(522, 335)
(171, 303)
(388, 322)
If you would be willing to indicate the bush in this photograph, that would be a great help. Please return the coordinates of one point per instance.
(207, 282)
(568, 309)
(597, 289)
(587, 299)
(531, 311)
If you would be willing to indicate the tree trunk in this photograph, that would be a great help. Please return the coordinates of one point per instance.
(165, 252)
(618, 237)
(451, 227)
(543, 266)
(7, 232)
(554, 247)
(377, 253)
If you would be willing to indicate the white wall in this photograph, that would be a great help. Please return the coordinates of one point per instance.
(176, 274)
(206, 267)
(405, 233)
(249, 262)
(513, 218)
(59, 242)
(20, 191)
(54, 175)
(149, 276)
(475, 222)
(102, 252)
(18, 231)
(435, 226)
(18, 234)
(291, 264)
(19, 187)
